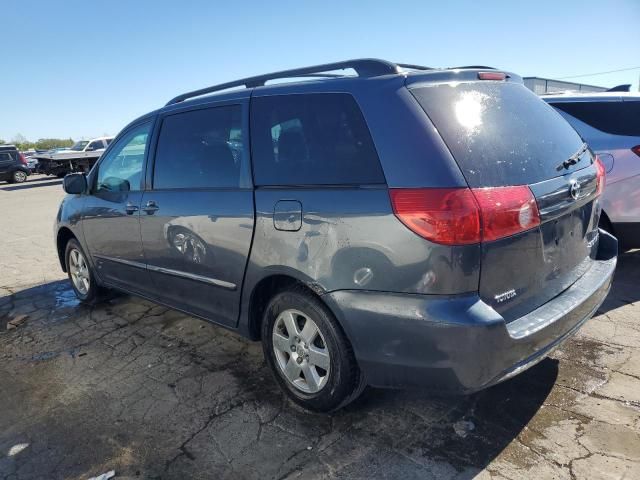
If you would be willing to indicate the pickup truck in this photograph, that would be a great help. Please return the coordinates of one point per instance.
(79, 158)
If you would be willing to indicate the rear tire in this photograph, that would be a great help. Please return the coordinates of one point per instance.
(308, 353)
(18, 177)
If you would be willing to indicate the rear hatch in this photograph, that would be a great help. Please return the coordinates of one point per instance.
(501, 134)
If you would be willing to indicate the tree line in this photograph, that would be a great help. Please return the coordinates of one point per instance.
(41, 144)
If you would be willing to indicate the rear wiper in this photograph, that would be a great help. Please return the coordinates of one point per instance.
(573, 159)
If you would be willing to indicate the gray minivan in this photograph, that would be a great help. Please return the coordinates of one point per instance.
(395, 226)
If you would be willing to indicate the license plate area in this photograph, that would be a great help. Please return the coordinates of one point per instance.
(567, 241)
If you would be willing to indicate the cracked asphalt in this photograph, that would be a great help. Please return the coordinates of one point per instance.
(152, 393)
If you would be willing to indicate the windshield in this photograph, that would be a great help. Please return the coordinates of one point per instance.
(79, 146)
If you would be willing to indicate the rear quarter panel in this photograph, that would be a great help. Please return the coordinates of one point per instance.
(350, 239)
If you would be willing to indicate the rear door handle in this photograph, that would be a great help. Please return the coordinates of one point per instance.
(150, 207)
(130, 208)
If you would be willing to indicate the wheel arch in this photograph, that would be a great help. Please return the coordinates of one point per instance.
(271, 284)
(64, 235)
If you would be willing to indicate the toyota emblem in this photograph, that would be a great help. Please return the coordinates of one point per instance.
(574, 189)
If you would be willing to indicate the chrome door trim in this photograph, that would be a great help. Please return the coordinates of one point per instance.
(169, 271)
(193, 276)
(130, 263)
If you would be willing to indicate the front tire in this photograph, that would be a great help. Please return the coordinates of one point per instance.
(308, 353)
(80, 275)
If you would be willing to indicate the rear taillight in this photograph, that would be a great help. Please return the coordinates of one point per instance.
(23, 160)
(636, 150)
(506, 211)
(442, 215)
(460, 216)
(600, 175)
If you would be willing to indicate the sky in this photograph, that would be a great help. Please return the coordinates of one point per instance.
(82, 69)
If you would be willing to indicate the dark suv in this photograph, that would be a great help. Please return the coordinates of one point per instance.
(13, 165)
(403, 227)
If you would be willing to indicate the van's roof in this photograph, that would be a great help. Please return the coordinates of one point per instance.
(323, 78)
(365, 68)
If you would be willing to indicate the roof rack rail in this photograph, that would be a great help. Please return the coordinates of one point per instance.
(364, 67)
(414, 67)
(472, 66)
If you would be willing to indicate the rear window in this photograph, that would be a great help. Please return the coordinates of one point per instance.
(500, 133)
(618, 118)
(311, 139)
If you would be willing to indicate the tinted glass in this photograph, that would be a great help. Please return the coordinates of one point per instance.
(500, 133)
(315, 139)
(97, 145)
(618, 118)
(121, 168)
(200, 149)
(5, 158)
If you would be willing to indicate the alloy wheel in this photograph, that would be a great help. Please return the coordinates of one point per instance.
(79, 271)
(301, 351)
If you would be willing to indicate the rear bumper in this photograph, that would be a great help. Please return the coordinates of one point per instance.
(458, 344)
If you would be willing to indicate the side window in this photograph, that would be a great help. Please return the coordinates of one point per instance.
(200, 149)
(312, 139)
(95, 145)
(121, 169)
(108, 141)
(618, 118)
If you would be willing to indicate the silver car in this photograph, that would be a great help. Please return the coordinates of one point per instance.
(610, 124)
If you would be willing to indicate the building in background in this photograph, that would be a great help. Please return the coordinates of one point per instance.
(547, 85)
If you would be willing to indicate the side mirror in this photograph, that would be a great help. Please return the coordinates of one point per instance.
(75, 183)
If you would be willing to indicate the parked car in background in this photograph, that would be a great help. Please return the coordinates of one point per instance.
(32, 164)
(404, 227)
(56, 150)
(13, 165)
(610, 124)
(79, 158)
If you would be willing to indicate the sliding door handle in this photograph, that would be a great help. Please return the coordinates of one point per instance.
(150, 207)
(130, 208)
